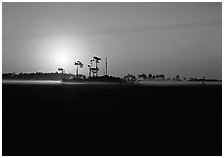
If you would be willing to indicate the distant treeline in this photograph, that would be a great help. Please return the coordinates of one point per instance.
(37, 76)
(202, 79)
(129, 77)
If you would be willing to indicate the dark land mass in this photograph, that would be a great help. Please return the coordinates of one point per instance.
(108, 79)
(36, 76)
(69, 77)
(118, 119)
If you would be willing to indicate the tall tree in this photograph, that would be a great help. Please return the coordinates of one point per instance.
(90, 67)
(95, 70)
(78, 64)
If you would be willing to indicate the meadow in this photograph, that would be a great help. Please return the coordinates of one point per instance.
(111, 119)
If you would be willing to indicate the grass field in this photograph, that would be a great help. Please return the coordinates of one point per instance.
(117, 119)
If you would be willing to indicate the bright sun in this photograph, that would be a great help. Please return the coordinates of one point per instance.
(62, 56)
(61, 52)
(61, 59)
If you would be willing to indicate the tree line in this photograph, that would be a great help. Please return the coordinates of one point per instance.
(37, 76)
(63, 75)
(150, 76)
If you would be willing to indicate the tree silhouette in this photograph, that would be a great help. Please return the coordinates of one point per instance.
(78, 64)
(162, 76)
(150, 76)
(130, 78)
(90, 67)
(177, 77)
(153, 77)
(143, 76)
(96, 69)
(62, 71)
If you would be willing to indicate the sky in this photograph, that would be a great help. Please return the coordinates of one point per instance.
(159, 38)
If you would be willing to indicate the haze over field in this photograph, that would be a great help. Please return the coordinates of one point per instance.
(157, 38)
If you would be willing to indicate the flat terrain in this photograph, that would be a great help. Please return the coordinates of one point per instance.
(116, 119)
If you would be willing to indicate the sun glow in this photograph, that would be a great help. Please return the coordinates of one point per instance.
(61, 52)
(61, 56)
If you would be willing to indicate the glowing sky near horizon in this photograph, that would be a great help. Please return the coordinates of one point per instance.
(158, 38)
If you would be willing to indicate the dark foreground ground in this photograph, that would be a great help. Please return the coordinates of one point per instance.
(111, 120)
